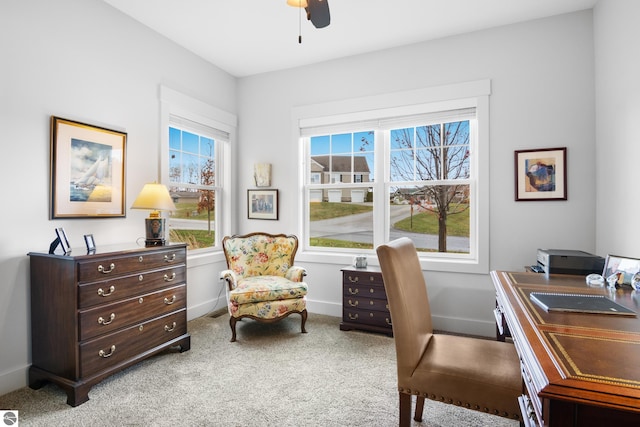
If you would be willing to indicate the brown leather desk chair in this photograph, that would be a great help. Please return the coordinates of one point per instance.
(474, 373)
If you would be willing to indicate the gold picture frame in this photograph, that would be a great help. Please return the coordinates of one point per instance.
(87, 170)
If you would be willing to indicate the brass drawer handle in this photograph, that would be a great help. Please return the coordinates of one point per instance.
(352, 292)
(102, 293)
(168, 328)
(353, 304)
(140, 258)
(352, 280)
(371, 290)
(167, 259)
(386, 319)
(170, 279)
(103, 271)
(168, 301)
(102, 321)
(353, 317)
(104, 354)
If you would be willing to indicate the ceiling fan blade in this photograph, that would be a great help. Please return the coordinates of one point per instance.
(318, 13)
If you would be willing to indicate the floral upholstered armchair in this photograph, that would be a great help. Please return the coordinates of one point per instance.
(263, 283)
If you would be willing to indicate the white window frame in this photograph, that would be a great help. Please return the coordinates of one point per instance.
(173, 103)
(421, 101)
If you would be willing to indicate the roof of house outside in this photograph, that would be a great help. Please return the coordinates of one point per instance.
(343, 163)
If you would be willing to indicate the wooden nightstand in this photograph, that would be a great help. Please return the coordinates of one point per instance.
(364, 301)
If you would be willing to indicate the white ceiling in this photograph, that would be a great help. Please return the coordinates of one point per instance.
(246, 37)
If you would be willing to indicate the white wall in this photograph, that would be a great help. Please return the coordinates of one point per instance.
(542, 96)
(617, 82)
(82, 60)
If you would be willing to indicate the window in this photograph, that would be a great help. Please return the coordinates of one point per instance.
(196, 148)
(192, 185)
(405, 170)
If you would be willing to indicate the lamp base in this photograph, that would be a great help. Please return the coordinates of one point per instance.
(154, 231)
(154, 242)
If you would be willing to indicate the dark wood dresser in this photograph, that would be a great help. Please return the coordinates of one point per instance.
(364, 301)
(95, 314)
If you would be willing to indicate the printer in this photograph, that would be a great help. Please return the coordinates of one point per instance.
(561, 261)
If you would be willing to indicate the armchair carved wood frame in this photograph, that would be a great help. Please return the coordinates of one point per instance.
(263, 284)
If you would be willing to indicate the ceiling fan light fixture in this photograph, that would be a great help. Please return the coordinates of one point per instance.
(297, 3)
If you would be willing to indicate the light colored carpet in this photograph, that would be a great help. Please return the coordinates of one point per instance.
(272, 376)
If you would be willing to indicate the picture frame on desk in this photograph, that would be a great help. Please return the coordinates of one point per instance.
(541, 174)
(90, 242)
(63, 241)
(624, 266)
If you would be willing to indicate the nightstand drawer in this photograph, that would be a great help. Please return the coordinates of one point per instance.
(363, 278)
(366, 303)
(364, 291)
(366, 317)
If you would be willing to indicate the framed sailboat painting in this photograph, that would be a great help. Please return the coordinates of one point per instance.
(87, 170)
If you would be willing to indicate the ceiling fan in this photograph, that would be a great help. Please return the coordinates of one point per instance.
(317, 12)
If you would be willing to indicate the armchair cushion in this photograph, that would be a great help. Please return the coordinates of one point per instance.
(266, 288)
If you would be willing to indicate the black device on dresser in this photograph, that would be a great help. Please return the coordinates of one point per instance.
(95, 314)
(364, 301)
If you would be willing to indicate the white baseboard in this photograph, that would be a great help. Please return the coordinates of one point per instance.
(13, 380)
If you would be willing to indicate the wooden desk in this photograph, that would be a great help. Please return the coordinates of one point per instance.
(578, 369)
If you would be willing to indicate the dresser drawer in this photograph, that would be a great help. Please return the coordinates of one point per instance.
(364, 291)
(101, 268)
(351, 277)
(126, 286)
(366, 317)
(110, 317)
(105, 352)
(366, 303)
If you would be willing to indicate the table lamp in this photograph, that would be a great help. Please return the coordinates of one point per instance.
(156, 198)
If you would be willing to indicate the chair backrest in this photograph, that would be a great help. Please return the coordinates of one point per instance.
(260, 254)
(408, 301)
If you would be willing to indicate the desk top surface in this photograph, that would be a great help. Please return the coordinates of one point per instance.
(588, 356)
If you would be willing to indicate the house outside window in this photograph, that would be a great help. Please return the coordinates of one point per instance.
(414, 171)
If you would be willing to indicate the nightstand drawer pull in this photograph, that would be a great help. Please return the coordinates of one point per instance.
(353, 304)
(371, 290)
(353, 316)
(386, 319)
(167, 259)
(168, 328)
(352, 280)
(102, 293)
(170, 279)
(168, 301)
(352, 292)
(102, 321)
(104, 354)
(103, 271)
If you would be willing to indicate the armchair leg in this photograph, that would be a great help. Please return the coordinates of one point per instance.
(419, 408)
(405, 410)
(232, 323)
(303, 313)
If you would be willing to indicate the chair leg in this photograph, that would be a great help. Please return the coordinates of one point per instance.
(405, 410)
(303, 313)
(232, 323)
(419, 408)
